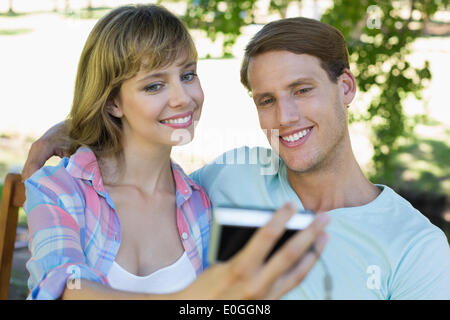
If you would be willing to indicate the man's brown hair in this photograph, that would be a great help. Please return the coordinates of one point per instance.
(300, 36)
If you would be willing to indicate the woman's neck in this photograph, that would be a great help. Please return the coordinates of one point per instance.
(147, 168)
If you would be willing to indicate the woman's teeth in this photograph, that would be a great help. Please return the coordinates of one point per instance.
(296, 136)
(179, 120)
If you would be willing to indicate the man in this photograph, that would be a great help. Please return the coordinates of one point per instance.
(379, 246)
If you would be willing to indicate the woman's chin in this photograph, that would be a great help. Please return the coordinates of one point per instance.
(181, 137)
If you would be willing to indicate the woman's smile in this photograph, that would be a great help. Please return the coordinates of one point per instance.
(182, 120)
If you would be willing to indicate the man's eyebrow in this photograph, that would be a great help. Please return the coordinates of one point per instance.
(184, 65)
(291, 85)
(300, 81)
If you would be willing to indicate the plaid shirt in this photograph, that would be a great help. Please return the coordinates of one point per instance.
(75, 231)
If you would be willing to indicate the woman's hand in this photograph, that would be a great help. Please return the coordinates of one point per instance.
(247, 276)
(54, 142)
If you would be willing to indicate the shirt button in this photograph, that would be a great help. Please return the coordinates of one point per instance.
(184, 235)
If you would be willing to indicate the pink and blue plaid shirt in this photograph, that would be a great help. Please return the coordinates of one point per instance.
(75, 231)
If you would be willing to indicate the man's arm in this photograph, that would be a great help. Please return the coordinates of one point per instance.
(54, 142)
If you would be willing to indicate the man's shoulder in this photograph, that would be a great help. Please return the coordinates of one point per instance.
(404, 225)
(391, 221)
(422, 252)
(400, 208)
(243, 163)
(242, 157)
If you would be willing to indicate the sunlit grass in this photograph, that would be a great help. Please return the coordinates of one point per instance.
(14, 32)
(12, 14)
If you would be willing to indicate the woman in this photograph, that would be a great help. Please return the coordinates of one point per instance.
(118, 219)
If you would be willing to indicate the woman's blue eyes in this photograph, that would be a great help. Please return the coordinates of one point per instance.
(189, 76)
(155, 87)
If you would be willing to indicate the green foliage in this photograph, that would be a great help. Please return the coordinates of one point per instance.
(226, 17)
(379, 53)
(280, 6)
(220, 17)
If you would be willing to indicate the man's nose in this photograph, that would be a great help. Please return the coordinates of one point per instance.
(288, 112)
(179, 96)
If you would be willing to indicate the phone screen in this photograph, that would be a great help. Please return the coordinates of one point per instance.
(233, 238)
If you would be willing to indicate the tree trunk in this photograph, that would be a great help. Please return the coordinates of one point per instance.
(67, 6)
(11, 10)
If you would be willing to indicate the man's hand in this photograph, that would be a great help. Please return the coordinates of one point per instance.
(54, 142)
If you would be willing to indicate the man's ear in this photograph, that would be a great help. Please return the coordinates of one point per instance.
(113, 109)
(347, 83)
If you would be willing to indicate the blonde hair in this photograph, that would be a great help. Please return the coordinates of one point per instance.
(120, 44)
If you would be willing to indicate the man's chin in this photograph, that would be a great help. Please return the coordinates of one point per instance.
(296, 163)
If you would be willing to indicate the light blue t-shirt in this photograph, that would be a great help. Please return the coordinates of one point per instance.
(385, 249)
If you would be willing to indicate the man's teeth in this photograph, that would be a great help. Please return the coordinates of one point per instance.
(179, 120)
(296, 136)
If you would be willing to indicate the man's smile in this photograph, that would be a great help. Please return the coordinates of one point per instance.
(296, 137)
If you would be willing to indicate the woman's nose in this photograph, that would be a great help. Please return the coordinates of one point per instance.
(179, 97)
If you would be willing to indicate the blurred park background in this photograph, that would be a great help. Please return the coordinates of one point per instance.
(400, 55)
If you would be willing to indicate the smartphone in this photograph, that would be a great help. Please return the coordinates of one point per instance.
(233, 227)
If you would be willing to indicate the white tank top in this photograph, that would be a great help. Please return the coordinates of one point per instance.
(169, 279)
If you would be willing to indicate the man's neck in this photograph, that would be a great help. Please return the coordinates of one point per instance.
(330, 188)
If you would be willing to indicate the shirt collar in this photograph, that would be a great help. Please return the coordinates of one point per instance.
(183, 184)
(83, 165)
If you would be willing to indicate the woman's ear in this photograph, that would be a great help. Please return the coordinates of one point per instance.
(347, 83)
(113, 109)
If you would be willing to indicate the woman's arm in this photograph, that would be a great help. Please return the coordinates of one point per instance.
(90, 290)
(56, 249)
(245, 276)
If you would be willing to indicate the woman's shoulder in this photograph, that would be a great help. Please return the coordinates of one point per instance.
(51, 177)
(64, 178)
(183, 181)
(51, 190)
